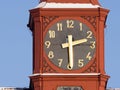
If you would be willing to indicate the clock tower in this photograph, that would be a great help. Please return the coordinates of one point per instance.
(68, 45)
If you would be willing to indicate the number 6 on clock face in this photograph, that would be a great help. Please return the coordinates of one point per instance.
(69, 44)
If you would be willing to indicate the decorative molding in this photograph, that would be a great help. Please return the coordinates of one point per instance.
(48, 19)
(47, 68)
(70, 74)
(92, 68)
(91, 20)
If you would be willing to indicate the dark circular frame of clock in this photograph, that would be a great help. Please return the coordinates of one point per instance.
(69, 44)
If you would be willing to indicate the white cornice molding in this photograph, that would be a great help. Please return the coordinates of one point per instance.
(66, 5)
(64, 74)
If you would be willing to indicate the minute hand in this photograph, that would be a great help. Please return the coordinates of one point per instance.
(64, 45)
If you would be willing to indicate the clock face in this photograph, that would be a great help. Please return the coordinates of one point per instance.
(69, 44)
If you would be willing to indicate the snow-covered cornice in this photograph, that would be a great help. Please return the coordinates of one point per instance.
(66, 5)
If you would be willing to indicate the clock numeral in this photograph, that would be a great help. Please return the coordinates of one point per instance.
(92, 46)
(60, 62)
(89, 34)
(51, 54)
(81, 26)
(88, 56)
(51, 34)
(80, 63)
(59, 26)
(70, 24)
(47, 44)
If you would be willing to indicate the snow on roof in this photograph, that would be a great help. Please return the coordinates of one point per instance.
(66, 5)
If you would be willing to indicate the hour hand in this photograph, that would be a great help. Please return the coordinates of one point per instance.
(70, 61)
(65, 45)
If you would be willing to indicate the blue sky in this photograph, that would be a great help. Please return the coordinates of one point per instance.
(16, 42)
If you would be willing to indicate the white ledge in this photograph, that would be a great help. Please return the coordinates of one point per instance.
(36, 74)
(65, 74)
(69, 74)
(66, 5)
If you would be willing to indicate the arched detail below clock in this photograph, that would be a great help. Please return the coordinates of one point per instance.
(69, 44)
